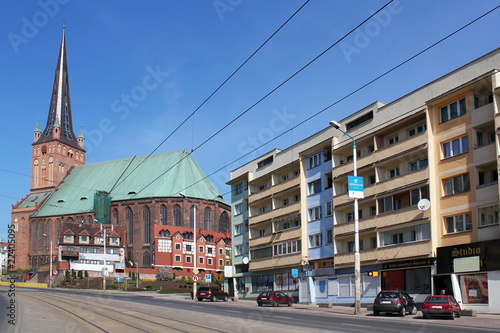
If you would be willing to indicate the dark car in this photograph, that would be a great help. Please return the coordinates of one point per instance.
(211, 293)
(441, 305)
(394, 301)
(274, 298)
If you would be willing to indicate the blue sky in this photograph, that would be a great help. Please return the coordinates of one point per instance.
(190, 47)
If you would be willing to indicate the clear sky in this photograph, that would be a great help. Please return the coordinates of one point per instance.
(137, 69)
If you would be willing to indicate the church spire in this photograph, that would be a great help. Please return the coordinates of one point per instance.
(60, 104)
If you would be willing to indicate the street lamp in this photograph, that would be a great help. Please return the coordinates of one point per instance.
(104, 269)
(195, 270)
(357, 263)
(50, 262)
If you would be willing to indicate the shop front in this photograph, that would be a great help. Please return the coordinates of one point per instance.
(471, 273)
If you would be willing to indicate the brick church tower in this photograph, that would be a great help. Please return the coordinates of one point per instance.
(56, 149)
(54, 152)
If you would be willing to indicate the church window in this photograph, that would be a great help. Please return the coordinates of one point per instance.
(130, 225)
(146, 223)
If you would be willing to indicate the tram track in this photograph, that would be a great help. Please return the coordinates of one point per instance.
(107, 318)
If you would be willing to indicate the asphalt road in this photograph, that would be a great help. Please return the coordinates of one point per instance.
(55, 310)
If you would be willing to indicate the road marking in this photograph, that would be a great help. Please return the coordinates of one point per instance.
(347, 324)
(233, 311)
(283, 317)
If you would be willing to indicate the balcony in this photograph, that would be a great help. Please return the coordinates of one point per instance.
(484, 154)
(487, 193)
(407, 144)
(403, 251)
(387, 185)
(272, 214)
(291, 260)
(381, 221)
(275, 237)
(482, 115)
(290, 183)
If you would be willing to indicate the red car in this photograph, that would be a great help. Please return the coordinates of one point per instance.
(441, 305)
(274, 298)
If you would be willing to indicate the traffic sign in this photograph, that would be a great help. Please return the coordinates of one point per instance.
(196, 271)
(355, 187)
(196, 278)
(208, 277)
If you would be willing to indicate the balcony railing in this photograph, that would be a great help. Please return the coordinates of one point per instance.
(276, 237)
(290, 260)
(379, 255)
(287, 184)
(274, 213)
(383, 220)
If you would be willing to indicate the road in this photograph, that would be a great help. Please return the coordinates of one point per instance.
(55, 310)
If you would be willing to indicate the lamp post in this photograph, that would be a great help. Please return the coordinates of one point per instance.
(137, 269)
(104, 269)
(195, 269)
(50, 262)
(357, 263)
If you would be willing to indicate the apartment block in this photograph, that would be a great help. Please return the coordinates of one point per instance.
(429, 215)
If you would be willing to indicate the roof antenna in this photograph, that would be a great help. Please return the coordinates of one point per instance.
(64, 24)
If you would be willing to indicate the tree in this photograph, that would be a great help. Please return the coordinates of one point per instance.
(165, 274)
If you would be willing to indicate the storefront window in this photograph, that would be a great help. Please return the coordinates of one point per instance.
(413, 281)
(286, 282)
(474, 288)
(262, 283)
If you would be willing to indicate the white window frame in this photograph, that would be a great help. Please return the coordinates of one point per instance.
(458, 223)
(313, 161)
(455, 147)
(315, 213)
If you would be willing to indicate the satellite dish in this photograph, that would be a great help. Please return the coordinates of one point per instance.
(245, 260)
(423, 204)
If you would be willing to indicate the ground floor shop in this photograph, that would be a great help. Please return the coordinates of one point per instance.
(471, 273)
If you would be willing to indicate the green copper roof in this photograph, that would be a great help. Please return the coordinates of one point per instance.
(33, 199)
(160, 175)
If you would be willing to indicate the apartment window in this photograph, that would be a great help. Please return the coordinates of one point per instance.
(394, 172)
(188, 259)
(84, 239)
(329, 208)
(314, 187)
(373, 210)
(373, 242)
(284, 178)
(238, 250)
(262, 209)
(262, 187)
(201, 249)
(286, 202)
(488, 215)
(453, 110)
(419, 193)
(458, 223)
(388, 204)
(418, 129)
(98, 240)
(238, 188)
(114, 240)
(209, 261)
(238, 209)
(262, 232)
(456, 184)
(487, 177)
(419, 164)
(178, 246)
(315, 240)
(315, 213)
(188, 248)
(372, 179)
(456, 146)
(201, 260)
(397, 238)
(177, 258)
(265, 162)
(286, 248)
(112, 251)
(287, 223)
(314, 161)
(392, 140)
(296, 198)
(329, 236)
(239, 229)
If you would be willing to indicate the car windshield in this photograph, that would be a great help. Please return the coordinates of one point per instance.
(203, 289)
(388, 295)
(266, 293)
(437, 299)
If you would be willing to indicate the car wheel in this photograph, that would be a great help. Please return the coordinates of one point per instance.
(275, 304)
(213, 299)
(225, 299)
(426, 316)
(402, 313)
(200, 299)
(376, 313)
(259, 303)
(414, 310)
(458, 314)
(452, 317)
(290, 303)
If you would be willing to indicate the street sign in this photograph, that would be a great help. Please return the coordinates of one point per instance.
(105, 271)
(208, 278)
(295, 272)
(196, 271)
(196, 278)
(355, 187)
(55, 272)
(118, 279)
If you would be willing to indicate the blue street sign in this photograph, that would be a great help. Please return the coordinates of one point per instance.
(355, 187)
(295, 272)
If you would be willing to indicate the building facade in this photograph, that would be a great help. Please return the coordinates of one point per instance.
(429, 218)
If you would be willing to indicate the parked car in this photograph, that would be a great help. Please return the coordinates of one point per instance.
(211, 293)
(441, 305)
(274, 298)
(394, 301)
